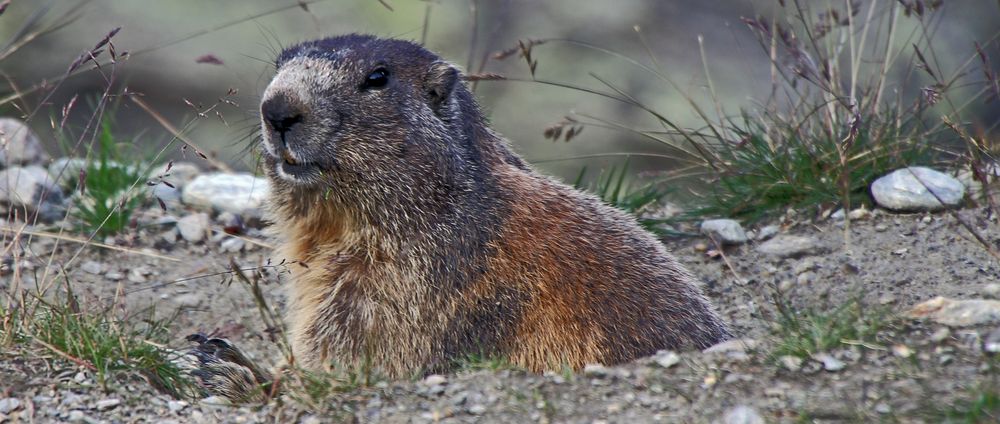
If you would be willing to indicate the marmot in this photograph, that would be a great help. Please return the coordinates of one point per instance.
(423, 238)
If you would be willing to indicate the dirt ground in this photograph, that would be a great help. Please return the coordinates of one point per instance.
(912, 371)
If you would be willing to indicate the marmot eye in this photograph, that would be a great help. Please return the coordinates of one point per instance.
(377, 79)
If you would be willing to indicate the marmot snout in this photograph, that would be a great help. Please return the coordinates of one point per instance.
(424, 238)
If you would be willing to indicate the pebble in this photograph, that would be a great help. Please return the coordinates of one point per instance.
(595, 370)
(232, 245)
(991, 343)
(992, 290)
(830, 363)
(176, 405)
(477, 409)
(791, 363)
(9, 405)
(666, 358)
(742, 414)
(805, 278)
(957, 313)
(179, 174)
(19, 144)
(106, 404)
(941, 335)
(789, 246)
(76, 416)
(907, 190)
(435, 380)
(241, 194)
(114, 275)
(194, 227)
(767, 232)
(724, 231)
(91, 267)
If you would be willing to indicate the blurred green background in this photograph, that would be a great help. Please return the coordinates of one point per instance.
(462, 31)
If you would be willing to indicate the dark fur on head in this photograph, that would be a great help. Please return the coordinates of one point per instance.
(423, 238)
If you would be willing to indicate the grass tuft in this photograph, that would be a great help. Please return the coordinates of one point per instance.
(109, 345)
(614, 188)
(107, 186)
(805, 332)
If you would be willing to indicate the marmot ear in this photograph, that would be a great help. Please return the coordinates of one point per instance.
(439, 84)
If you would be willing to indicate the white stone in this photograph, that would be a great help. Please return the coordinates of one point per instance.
(179, 175)
(232, 245)
(666, 358)
(18, 144)
(742, 414)
(789, 246)
(435, 379)
(830, 363)
(9, 405)
(91, 267)
(767, 232)
(724, 231)
(958, 312)
(194, 227)
(914, 189)
(32, 188)
(241, 194)
(106, 404)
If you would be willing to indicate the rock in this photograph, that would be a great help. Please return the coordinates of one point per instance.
(106, 404)
(732, 345)
(767, 232)
(76, 416)
(194, 227)
(241, 194)
(741, 414)
(992, 290)
(595, 370)
(232, 245)
(666, 358)
(114, 275)
(188, 299)
(791, 363)
(724, 231)
(66, 170)
(435, 380)
(805, 278)
(830, 363)
(179, 174)
(32, 188)
(176, 405)
(991, 343)
(477, 409)
(940, 335)
(789, 246)
(907, 190)
(957, 313)
(18, 144)
(170, 196)
(9, 405)
(91, 267)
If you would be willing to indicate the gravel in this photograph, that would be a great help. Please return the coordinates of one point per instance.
(910, 372)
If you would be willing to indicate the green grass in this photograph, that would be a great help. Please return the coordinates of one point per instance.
(982, 407)
(484, 362)
(109, 187)
(109, 345)
(851, 99)
(803, 332)
(614, 187)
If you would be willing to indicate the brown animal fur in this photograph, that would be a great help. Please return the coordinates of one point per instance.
(423, 238)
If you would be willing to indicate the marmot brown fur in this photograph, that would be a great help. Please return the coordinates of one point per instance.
(425, 239)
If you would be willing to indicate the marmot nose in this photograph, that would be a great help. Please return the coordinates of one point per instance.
(280, 113)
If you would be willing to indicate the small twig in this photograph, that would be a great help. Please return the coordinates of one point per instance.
(78, 361)
(11, 230)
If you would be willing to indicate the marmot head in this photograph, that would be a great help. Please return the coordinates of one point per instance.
(360, 116)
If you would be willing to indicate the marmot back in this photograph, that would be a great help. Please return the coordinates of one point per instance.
(424, 238)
